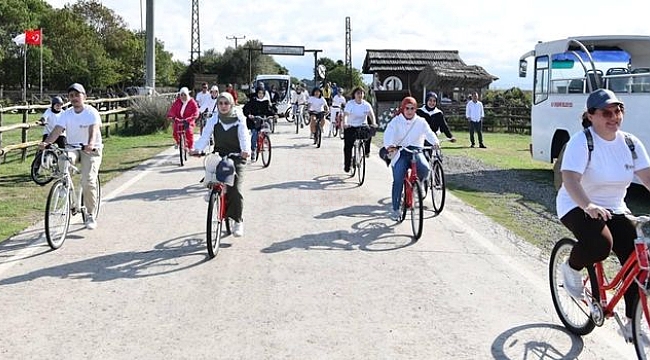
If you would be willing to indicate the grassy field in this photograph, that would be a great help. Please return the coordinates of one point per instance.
(22, 202)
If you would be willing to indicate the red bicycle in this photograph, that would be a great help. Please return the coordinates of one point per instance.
(217, 221)
(412, 196)
(264, 139)
(580, 316)
(181, 126)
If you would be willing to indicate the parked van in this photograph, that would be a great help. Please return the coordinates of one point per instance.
(282, 84)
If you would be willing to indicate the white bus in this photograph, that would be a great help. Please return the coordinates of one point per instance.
(565, 71)
(282, 84)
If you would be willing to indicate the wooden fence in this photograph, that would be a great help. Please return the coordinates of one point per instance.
(110, 110)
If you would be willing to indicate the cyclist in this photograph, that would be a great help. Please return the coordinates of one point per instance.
(594, 183)
(338, 103)
(204, 98)
(434, 116)
(358, 112)
(50, 118)
(259, 105)
(184, 108)
(227, 127)
(408, 130)
(298, 100)
(82, 125)
(316, 106)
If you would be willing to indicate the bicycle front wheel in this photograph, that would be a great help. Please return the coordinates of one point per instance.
(181, 147)
(641, 328)
(266, 150)
(318, 135)
(417, 211)
(214, 224)
(361, 163)
(574, 314)
(40, 175)
(437, 187)
(57, 214)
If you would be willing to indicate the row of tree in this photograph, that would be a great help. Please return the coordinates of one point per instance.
(88, 43)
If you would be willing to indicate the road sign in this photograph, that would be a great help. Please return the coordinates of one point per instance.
(283, 50)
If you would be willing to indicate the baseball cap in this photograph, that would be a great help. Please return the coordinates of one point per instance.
(77, 87)
(214, 88)
(602, 98)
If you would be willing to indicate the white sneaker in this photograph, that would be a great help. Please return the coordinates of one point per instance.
(395, 215)
(238, 229)
(91, 224)
(206, 197)
(572, 281)
(626, 331)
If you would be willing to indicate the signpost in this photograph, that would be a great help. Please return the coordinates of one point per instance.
(283, 50)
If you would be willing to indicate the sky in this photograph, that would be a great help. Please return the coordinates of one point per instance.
(491, 34)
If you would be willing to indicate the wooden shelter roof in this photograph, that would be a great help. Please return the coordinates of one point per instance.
(449, 76)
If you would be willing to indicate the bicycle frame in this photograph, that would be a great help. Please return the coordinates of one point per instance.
(66, 177)
(411, 177)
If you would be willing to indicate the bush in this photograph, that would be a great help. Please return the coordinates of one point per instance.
(149, 115)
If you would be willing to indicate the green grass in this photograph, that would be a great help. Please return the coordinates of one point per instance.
(22, 203)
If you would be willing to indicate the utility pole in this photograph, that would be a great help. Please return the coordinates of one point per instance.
(195, 52)
(235, 38)
(348, 51)
(315, 64)
(150, 57)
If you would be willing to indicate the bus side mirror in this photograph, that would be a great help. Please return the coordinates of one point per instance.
(523, 66)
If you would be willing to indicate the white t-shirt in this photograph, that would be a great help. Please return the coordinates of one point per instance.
(607, 176)
(77, 125)
(338, 101)
(51, 120)
(204, 100)
(316, 104)
(357, 113)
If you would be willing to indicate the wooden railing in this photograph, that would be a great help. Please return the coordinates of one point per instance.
(110, 110)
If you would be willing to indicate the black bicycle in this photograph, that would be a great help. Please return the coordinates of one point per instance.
(435, 183)
(358, 162)
(319, 120)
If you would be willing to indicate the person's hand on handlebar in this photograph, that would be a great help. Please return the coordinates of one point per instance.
(195, 152)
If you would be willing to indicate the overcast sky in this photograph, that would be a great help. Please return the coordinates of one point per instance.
(491, 34)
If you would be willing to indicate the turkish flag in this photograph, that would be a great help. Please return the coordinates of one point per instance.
(33, 37)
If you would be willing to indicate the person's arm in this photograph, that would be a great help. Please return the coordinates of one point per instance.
(571, 182)
(644, 176)
(482, 111)
(192, 111)
(204, 140)
(467, 112)
(244, 139)
(371, 116)
(58, 129)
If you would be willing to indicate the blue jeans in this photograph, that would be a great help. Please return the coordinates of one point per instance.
(254, 133)
(399, 171)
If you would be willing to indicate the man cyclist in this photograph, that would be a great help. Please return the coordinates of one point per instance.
(82, 124)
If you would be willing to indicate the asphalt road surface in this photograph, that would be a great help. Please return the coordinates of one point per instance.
(321, 273)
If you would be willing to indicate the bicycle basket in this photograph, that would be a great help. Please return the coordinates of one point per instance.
(363, 133)
(210, 163)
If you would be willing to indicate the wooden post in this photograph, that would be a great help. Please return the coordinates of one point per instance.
(24, 133)
(108, 128)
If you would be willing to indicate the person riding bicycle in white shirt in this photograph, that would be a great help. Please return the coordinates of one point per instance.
(317, 105)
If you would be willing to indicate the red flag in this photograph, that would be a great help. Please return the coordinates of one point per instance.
(33, 37)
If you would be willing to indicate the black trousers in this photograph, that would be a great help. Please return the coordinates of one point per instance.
(349, 136)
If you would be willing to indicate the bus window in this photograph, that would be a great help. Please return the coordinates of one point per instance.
(541, 79)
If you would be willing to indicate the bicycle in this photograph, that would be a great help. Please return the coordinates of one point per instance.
(63, 201)
(436, 180)
(263, 139)
(318, 131)
(412, 199)
(181, 126)
(217, 203)
(298, 110)
(582, 315)
(358, 163)
(337, 125)
(43, 167)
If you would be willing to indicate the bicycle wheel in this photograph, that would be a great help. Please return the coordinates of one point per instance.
(437, 187)
(417, 211)
(272, 125)
(181, 147)
(214, 224)
(306, 117)
(266, 150)
(361, 162)
(318, 135)
(288, 115)
(405, 200)
(97, 205)
(298, 123)
(41, 175)
(641, 328)
(574, 314)
(57, 214)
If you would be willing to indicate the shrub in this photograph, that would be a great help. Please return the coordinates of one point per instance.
(149, 115)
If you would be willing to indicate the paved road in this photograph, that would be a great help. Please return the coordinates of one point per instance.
(321, 273)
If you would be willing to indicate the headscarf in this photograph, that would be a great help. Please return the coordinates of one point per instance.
(430, 95)
(231, 116)
(406, 101)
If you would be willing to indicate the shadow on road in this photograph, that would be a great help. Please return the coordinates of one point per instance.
(323, 182)
(165, 258)
(373, 232)
(537, 341)
(188, 191)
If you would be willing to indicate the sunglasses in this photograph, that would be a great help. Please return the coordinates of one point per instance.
(610, 114)
(409, 108)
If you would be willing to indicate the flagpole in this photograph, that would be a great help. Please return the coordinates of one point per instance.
(25, 72)
(41, 98)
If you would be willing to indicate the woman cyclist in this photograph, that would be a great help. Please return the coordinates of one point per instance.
(184, 108)
(338, 103)
(50, 119)
(227, 126)
(259, 105)
(316, 106)
(358, 112)
(434, 116)
(594, 183)
(406, 130)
